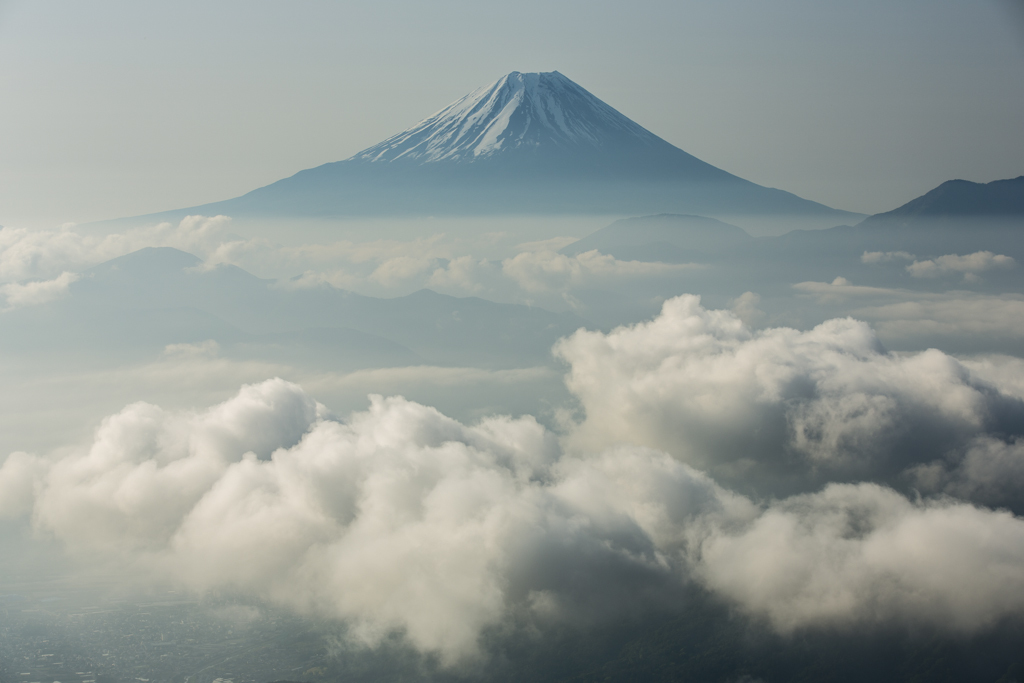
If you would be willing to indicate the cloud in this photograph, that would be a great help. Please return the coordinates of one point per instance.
(745, 308)
(205, 349)
(400, 519)
(374, 267)
(19, 476)
(920, 319)
(537, 271)
(841, 290)
(952, 315)
(970, 265)
(40, 254)
(398, 270)
(432, 374)
(542, 277)
(779, 410)
(373, 251)
(539, 276)
(864, 554)
(759, 465)
(33, 293)
(147, 467)
(991, 471)
(468, 274)
(873, 257)
(550, 244)
(1006, 373)
(534, 275)
(44, 254)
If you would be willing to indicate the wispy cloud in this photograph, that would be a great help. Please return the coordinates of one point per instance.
(970, 265)
(32, 293)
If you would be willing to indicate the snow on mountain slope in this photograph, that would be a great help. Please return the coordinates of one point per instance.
(516, 111)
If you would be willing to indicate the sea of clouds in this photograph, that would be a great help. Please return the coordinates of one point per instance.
(809, 478)
(38, 266)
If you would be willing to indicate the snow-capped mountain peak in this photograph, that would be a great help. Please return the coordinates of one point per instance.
(516, 112)
(529, 143)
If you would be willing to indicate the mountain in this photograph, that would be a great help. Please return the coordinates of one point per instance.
(533, 143)
(522, 118)
(956, 218)
(960, 199)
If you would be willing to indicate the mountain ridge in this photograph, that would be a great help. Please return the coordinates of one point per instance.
(955, 199)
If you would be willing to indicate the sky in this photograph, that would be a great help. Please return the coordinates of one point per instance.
(118, 108)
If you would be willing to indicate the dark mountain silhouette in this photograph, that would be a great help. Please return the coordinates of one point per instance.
(958, 199)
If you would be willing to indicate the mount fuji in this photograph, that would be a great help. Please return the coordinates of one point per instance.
(529, 143)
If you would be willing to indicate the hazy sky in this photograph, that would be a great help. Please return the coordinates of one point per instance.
(114, 108)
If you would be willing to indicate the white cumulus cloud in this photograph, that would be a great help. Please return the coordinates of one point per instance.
(780, 409)
(970, 265)
(873, 257)
(708, 454)
(863, 553)
(37, 292)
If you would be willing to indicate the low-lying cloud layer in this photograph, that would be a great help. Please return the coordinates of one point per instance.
(864, 553)
(38, 265)
(45, 254)
(968, 265)
(36, 292)
(764, 466)
(920, 319)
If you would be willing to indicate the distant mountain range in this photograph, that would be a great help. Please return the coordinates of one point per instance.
(957, 215)
(529, 143)
(135, 305)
